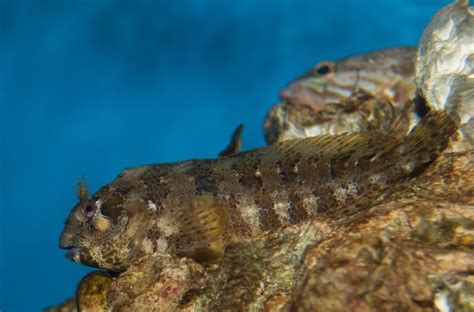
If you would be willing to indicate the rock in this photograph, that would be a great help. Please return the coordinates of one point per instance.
(411, 253)
(93, 291)
(445, 67)
(156, 283)
(360, 111)
(67, 306)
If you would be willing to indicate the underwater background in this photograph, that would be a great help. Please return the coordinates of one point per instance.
(88, 88)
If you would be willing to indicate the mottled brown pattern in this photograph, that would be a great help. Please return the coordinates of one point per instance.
(406, 253)
(267, 216)
(198, 207)
(297, 212)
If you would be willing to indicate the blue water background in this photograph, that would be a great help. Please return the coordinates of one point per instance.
(88, 88)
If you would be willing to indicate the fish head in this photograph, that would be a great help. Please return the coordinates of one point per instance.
(311, 88)
(104, 231)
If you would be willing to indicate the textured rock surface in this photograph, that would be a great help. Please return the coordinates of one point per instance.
(412, 251)
(445, 66)
(359, 112)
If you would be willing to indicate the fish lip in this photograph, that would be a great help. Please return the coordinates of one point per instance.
(63, 245)
(66, 241)
(72, 253)
(297, 94)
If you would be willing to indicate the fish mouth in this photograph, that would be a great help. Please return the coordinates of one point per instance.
(72, 253)
(296, 93)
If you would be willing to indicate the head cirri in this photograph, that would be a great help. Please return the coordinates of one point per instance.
(102, 231)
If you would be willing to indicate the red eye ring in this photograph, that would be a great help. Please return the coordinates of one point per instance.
(88, 209)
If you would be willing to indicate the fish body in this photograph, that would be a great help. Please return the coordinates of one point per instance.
(196, 208)
(386, 75)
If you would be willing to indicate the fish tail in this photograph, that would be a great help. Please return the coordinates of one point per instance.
(427, 140)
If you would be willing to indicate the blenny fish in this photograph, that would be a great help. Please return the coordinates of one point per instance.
(198, 207)
(310, 104)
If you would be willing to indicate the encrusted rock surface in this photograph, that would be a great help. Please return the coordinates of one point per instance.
(412, 251)
(360, 111)
(445, 66)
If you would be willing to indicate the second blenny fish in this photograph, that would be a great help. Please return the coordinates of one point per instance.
(196, 208)
(319, 102)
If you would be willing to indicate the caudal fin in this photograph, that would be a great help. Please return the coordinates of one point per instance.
(428, 139)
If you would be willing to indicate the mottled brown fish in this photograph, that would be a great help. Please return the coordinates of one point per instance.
(196, 208)
(311, 104)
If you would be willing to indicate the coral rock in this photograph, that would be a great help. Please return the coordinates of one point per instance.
(445, 67)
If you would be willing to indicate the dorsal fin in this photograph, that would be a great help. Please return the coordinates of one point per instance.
(235, 142)
(343, 146)
(427, 140)
(421, 146)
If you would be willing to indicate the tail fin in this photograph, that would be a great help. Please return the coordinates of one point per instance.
(428, 139)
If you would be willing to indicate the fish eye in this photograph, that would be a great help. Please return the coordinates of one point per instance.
(88, 209)
(323, 70)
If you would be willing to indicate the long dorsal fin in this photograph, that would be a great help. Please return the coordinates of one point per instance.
(348, 146)
(419, 147)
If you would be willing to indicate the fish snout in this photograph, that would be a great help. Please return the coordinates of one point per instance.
(66, 240)
(299, 93)
(291, 92)
(286, 94)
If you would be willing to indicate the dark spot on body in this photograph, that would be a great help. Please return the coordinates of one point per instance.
(247, 174)
(124, 190)
(288, 176)
(344, 157)
(205, 184)
(250, 181)
(431, 124)
(267, 215)
(331, 171)
(111, 211)
(297, 212)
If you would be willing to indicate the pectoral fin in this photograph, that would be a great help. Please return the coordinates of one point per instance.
(203, 222)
